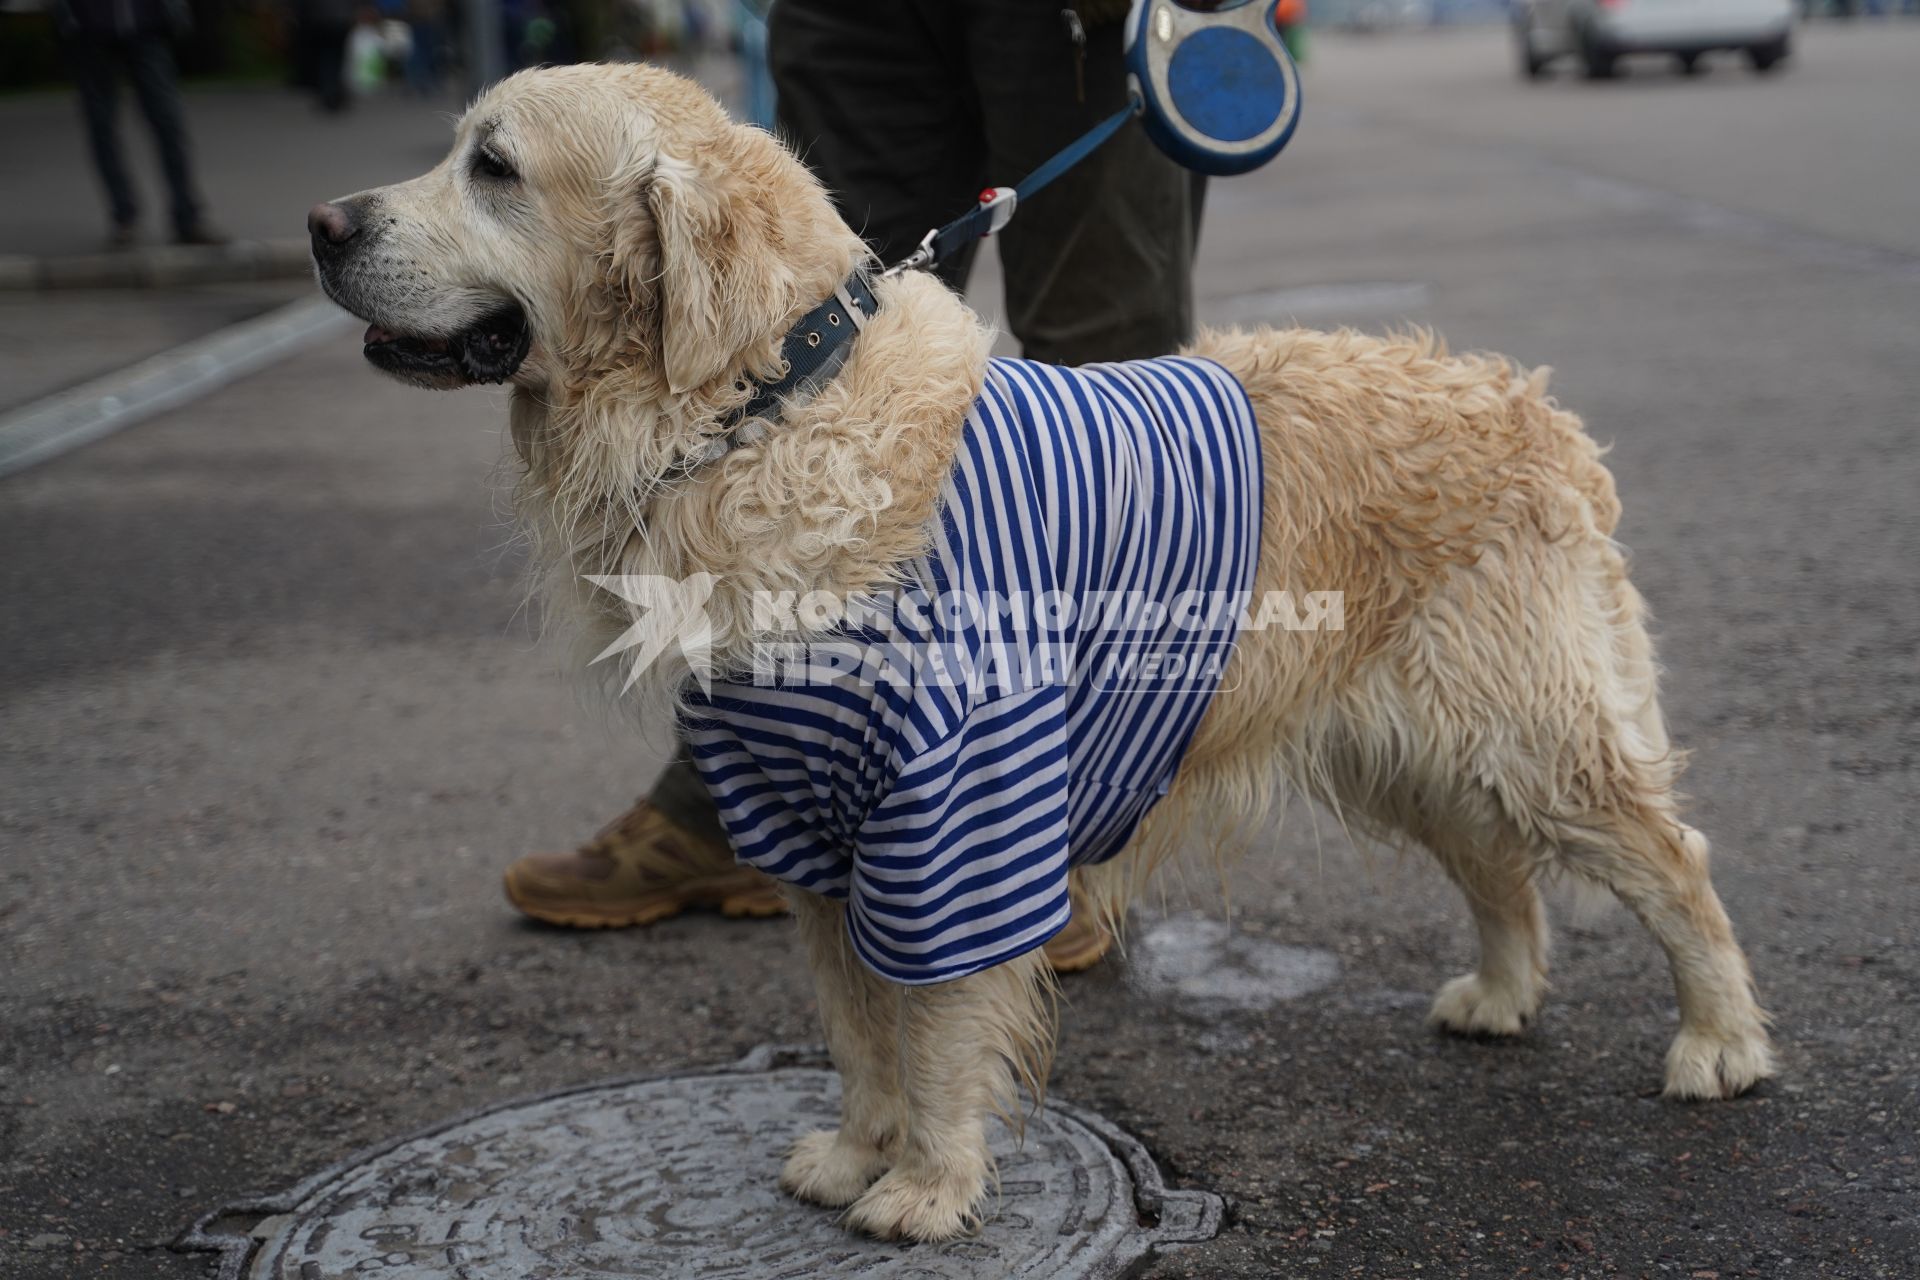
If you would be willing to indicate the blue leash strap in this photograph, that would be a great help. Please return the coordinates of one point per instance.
(996, 206)
(1077, 150)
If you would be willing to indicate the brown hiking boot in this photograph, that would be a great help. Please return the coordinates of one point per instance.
(641, 869)
(1084, 940)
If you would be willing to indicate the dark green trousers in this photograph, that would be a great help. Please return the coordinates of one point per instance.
(907, 109)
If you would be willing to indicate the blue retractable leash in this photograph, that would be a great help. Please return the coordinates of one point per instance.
(1213, 85)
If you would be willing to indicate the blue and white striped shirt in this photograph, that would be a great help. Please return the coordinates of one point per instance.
(942, 768)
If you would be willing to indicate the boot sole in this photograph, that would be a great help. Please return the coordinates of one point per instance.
(728, 896)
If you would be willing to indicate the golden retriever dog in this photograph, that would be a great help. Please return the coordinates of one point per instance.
(606, 241)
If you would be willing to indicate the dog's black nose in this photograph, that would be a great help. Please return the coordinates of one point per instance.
(331, 225)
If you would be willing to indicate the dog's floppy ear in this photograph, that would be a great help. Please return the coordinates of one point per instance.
(725, 279)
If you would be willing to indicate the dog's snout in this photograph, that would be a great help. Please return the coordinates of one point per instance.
(331, 226)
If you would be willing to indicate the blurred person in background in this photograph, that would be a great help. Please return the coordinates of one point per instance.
(427, 59)
(907, 109)
(378, 48)
(102, 40)
(321, 30)
(758, 107)
(534, 34)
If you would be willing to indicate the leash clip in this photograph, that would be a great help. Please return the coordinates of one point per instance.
(922, 256)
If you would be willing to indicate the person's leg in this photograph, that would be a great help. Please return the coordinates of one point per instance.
(684, 799)
(150, 65)
(158, 89)
(423, 57)
(330, 64)
(873, 95)
(93, 73)
(1099, 265)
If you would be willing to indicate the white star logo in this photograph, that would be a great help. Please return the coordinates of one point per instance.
(675, 614)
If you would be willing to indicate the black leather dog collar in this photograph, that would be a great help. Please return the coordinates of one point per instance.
(813, 351)
(815, 348)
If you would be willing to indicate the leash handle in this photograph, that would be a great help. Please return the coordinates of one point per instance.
(997, 204)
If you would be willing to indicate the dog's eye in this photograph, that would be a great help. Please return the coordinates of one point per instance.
(488, 162)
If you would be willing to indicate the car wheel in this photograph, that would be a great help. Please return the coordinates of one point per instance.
(1532, 65)
(1765, 57)
(1598, 61)
(1690, 64)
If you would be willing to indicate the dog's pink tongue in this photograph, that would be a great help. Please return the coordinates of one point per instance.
(376, 334)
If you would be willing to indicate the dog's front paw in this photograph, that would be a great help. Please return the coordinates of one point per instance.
(1471, 1006)
(826, 1167)
(1702, 1064)
(907, 1206)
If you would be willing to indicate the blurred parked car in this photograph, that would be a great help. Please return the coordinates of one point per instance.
(1600, 32)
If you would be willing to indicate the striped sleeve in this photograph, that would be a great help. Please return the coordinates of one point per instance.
(963, 864)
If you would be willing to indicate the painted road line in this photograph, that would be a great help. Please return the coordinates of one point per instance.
(47, 428)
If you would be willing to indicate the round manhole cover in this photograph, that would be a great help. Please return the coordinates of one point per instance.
(674, 1177)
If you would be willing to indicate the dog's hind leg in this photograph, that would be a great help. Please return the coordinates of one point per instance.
(860, 1014)
(1657, 866)
(1396, 784)
(1494, 868)
(1636, 845)
(1607, 808)
(961, 1043)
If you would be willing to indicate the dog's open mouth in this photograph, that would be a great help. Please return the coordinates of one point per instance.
(490, 350)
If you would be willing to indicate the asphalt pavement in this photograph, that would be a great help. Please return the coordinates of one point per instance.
(273, 717)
